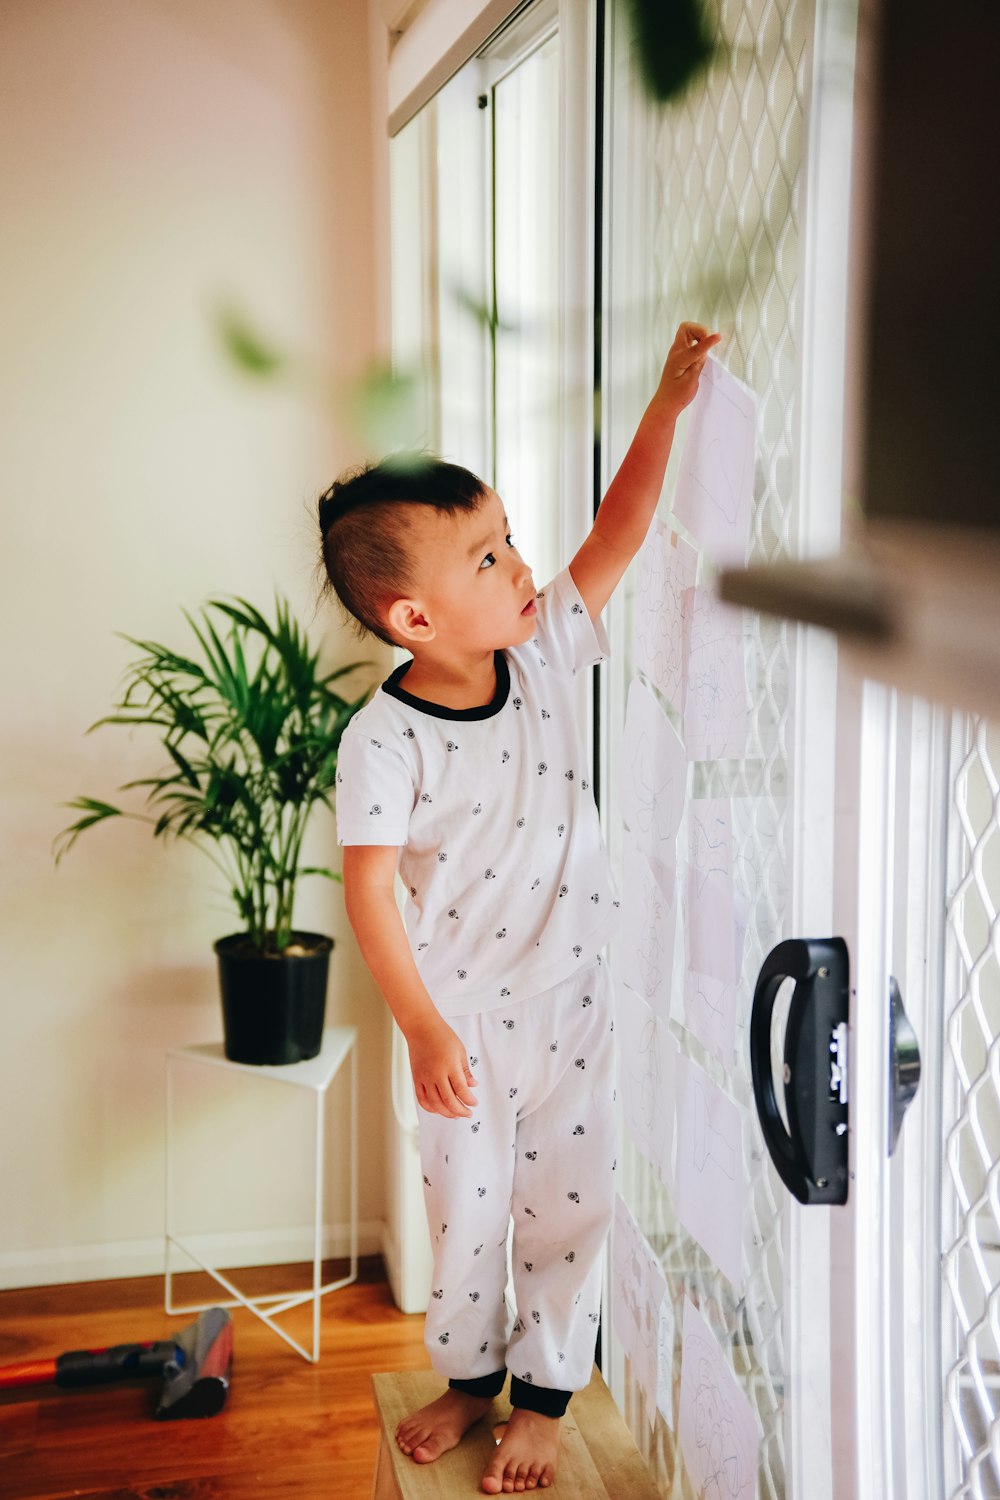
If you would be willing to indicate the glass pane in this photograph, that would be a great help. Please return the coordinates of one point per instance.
(462, 271)
(413, 198)
(970, 1239)
(713, 198)
(526, 266)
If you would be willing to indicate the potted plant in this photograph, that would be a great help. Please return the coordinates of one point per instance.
(251, 727)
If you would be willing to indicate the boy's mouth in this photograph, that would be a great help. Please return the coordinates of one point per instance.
(529, 609)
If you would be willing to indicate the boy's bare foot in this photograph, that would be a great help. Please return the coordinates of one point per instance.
(526, 1457)
(434, 1429)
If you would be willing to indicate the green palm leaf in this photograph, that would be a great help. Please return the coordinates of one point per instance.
(251, 728)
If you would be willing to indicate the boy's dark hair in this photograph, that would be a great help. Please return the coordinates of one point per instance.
(365, 556)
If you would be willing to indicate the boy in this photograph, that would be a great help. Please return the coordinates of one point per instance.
(465, 774)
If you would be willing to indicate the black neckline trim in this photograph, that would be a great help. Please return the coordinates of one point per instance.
(439, 710)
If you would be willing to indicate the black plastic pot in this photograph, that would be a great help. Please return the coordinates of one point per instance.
(273, 1004)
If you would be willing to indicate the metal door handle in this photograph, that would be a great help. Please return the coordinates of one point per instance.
(811, 1155)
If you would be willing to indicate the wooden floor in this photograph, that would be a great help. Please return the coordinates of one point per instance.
(288, 1429)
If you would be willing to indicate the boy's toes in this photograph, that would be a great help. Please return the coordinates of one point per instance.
(413, 1440)
(492, 1482)
(426, 1453)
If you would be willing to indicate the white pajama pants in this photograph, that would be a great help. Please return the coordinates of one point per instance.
(539, 1148)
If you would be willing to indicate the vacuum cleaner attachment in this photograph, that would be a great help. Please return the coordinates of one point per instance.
(196, 1377)
(195, 1367)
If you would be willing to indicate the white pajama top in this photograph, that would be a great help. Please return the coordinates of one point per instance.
(509, 886)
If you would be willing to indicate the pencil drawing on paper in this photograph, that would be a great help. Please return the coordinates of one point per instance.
(647, 1057)
(717, 1426)
(654, 781)
(709, 1145)
(667, 568)
(714, 495)
(716, 719)
(710, 847)
(710, 1013)
(648, 931)
(720, 474)
(711, 930)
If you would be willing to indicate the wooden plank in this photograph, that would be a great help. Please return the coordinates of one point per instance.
(597, 1458)
(384, 1486)
(618, 1461)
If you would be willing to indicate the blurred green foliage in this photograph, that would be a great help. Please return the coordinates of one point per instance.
(673, 44)
(245, 346)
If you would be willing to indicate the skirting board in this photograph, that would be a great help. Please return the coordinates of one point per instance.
(67, 1264)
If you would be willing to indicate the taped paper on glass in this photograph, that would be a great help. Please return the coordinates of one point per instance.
(716, 1424)
(714, 494)
(638, 1292)
(654, 781)
(667, 568)
(709, 1183)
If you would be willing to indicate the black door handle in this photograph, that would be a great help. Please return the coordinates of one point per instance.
(811, 1155)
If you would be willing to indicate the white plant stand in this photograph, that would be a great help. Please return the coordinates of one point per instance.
(316, 1075)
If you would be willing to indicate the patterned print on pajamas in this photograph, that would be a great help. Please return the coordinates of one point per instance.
(539, 1148)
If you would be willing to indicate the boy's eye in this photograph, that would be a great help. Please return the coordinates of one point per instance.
(488, 561)
(510, 540)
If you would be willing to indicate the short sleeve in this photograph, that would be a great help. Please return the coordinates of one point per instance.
(375, 791)
(567, 639)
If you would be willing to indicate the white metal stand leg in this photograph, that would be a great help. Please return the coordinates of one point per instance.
(274, 1304)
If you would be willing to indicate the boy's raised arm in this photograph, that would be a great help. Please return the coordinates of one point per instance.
(625, 512)
(438, 1060)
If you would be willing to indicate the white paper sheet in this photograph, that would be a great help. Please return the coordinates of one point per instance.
(710, 925)
(710, 1013)
(638, 1291)
(714, 494)
(709, 1182)
(667, 567)
(716, 1425)
(654, 781)
(759, 874)
(649, 926)
(665, 1337)
(716, 701)
(647, 1057)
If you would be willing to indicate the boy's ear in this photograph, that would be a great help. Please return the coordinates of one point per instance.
(408, 623)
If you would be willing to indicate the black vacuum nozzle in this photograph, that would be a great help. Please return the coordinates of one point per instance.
(196, 1376)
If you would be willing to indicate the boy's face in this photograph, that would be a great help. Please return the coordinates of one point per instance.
(471, 586)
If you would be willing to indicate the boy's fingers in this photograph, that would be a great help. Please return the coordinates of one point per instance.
(691, 331)
(461, 1088)
(696, 364)
(435, 1102)
(691, 335)
(450, 1097)
(700, 350)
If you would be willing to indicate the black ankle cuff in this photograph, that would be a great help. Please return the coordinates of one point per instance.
(486, 1385)
(538, 1398)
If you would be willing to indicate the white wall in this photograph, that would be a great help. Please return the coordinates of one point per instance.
(155, 155)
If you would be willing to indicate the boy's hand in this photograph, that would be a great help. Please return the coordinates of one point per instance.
(682, 371)
(440, 1067)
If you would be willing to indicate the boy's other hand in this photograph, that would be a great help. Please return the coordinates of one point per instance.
(442, 1077)
(685, 362)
